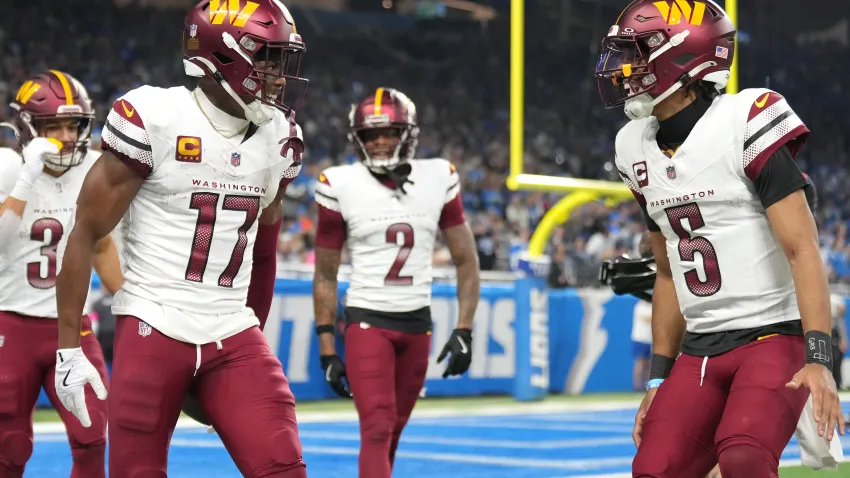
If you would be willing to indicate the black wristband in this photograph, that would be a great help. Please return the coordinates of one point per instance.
(324, 329)
(660, 366)
(819, 348)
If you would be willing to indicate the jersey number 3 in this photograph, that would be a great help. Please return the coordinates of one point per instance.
(207, 206)
(34, 276)
(688, 245)
(400, 234)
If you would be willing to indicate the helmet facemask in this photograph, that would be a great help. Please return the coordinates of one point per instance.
(624, 68)
(269, 72)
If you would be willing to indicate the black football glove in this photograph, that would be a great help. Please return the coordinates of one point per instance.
(335, 373)
(460, 346)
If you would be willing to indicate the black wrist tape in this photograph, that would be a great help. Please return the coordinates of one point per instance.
(324, 329)
(660, 366)
(819, 348)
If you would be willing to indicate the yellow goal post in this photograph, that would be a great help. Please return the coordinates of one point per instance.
(579, 191)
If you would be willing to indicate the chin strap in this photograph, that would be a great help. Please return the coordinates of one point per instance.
(398, 175)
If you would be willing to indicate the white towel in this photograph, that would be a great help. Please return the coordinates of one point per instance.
(816, 452)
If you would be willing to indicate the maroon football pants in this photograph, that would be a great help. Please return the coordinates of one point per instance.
(386, 371)
(27, 363)
(240, 386)
(731, 409)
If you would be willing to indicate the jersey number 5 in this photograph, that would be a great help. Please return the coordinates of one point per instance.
(404, 230)
(34, 276)
(688, 245)
(207, 206)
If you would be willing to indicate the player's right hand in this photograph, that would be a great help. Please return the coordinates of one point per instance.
(641, 415)
(34, 153)
(334, 369)
(73, 372)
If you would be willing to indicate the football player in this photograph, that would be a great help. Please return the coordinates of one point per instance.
(636, 277)
(739, 275)
(52, 121)
(200, 174)
(387, 209)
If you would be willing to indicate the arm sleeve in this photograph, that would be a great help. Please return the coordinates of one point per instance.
(771, 124)
(330, 230)
(778, 178)
(452, 214)
(126, 136)
(264, 270)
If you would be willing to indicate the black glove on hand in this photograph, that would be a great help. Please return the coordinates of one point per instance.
(335, 373)
(460, 346)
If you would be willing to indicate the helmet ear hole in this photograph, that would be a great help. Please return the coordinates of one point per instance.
(683, 60)
(222, 58)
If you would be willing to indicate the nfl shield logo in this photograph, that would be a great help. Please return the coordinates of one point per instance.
(235, 159)
(193, 30)
(671, 172)
(144, 329)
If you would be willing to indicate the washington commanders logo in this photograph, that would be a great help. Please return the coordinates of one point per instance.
(678, 11)
(236, 16)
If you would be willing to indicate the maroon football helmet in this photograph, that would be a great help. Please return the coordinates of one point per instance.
(386, 108)
(247, 47)
(48, 96)
(658, 47)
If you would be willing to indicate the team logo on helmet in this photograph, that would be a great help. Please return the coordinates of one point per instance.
(236, 16)
(678, 11)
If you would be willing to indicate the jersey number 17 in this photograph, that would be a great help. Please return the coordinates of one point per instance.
(207, 206)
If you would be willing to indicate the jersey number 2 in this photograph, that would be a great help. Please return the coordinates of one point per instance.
(688, 245)
(34, 276)
(394, 276)
(207, 206)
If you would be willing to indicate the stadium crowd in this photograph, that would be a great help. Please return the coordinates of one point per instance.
(457, 73)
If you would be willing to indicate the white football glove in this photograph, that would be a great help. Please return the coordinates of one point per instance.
(73, 371)
(34, 154)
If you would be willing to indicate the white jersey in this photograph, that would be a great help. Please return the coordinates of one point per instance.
(390, 234)
(642, 322)
(730, 273)
(30, 263)
(189, 233)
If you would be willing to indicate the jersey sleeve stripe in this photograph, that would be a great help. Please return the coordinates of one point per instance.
(138, 159)
(452, 192)
(632, 187)
(753, 134)
(327, 202)
(124, 136)
(324, 189)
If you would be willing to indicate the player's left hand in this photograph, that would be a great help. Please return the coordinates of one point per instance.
(827, 406)
(334, 369)
(73, 372)
(460, 346)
